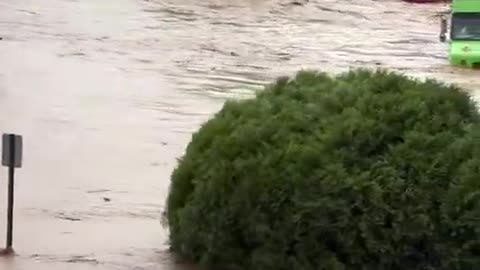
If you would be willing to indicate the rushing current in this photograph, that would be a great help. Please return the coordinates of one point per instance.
(107, 94)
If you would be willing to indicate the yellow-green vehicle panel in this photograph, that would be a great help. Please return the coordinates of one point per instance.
(464, 49)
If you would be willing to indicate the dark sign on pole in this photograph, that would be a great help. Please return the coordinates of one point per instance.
(11, 158)
(12, 150)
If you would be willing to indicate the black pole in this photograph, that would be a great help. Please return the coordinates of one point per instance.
(11, 175)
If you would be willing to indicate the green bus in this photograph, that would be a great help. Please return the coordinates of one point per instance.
(464, 33)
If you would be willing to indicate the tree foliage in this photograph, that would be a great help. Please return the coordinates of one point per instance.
(365, 170)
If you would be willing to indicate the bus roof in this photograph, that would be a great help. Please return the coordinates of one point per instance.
(466, 6)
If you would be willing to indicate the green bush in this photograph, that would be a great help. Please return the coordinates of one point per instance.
(366, 170)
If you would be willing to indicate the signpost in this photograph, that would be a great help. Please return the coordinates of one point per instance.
(12, 146)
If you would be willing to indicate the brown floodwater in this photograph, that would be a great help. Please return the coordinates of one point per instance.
(107, 94)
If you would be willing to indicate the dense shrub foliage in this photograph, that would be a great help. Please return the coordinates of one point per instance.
(367, 170)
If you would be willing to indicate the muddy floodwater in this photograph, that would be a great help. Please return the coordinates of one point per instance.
(107, 93)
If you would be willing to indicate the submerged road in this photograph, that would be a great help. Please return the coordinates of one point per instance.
(107, 94)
